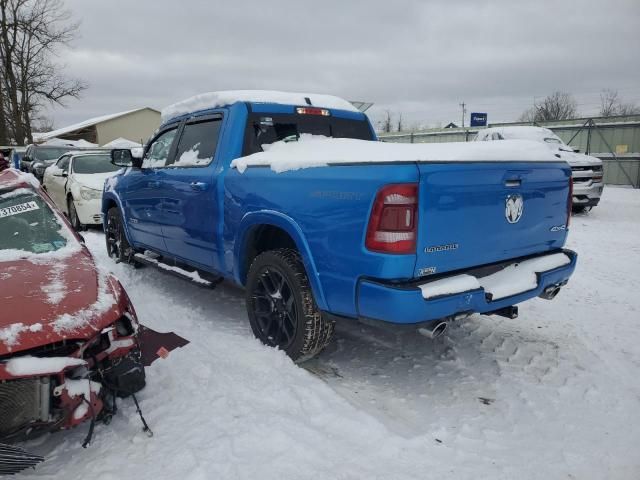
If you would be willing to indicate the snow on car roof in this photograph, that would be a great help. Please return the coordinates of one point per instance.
(229, 97)
(319, 151)
(12, 178)
(521, 132)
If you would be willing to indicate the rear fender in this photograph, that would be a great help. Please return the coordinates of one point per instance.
(277, 219)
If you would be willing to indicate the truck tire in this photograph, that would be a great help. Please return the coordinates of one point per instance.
(282, 310)
(118, 246)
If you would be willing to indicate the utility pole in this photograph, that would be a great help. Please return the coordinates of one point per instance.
(464, 111)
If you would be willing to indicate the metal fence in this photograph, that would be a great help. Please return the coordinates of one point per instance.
(615, 140)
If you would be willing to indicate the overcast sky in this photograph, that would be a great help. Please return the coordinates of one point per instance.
(421, 58)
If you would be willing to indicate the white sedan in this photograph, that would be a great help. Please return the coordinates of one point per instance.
(75, 183)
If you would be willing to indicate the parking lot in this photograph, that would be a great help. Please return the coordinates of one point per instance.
(553, 393)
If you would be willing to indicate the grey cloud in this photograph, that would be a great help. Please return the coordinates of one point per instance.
(418, 57)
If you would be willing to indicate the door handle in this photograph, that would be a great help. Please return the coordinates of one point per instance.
(200, 186)
(153, 184)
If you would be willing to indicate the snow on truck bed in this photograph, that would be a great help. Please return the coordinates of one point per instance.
(220, 99)
(318, 151)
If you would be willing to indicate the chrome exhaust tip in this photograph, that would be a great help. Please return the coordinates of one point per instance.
(434, 330)
(550, 292)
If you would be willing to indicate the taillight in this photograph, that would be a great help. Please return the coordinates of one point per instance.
(394, 220)
(570, 201)
(313, 111)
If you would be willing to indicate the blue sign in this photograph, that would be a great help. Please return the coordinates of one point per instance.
(478, 119)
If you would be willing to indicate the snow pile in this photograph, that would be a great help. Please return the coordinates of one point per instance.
(190, 158)
(449, 286)
(521, 277)
(59, 142)
(9, 335)
(56, 289)
(122, 142)
(104, 302)
(194, 276)
(11, 178)
(27, 365)
(553, 394)
(220, 99)
(517, 278)
(316, 151)
(81, 387)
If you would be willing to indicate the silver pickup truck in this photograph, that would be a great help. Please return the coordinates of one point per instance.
(586, 170)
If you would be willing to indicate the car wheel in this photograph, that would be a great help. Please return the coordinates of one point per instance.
(73, 215)
(578, 209)
(118, 246)
(282, 310)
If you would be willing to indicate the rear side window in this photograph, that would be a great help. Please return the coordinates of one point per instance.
(264, 129)
(198, 142)
(158, 152)
(63, 163)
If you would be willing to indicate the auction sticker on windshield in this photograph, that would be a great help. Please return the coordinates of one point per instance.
(18, 209)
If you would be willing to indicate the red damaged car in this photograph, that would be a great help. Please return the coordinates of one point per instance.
(70, 342)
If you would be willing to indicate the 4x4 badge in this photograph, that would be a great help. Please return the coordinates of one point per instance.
(513, 208)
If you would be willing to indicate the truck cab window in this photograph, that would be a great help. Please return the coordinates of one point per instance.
(197, 144)
(265, 129)
(158, 152)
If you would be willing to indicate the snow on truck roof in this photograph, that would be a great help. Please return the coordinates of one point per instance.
(219, 99)
(319, 151)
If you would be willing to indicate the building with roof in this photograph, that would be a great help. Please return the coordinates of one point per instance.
(135, 125)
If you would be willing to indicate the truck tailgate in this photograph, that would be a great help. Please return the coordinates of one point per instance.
(469, 213)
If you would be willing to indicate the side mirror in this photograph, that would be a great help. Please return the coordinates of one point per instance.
(64, 174)
(123, 157)
(575, 150)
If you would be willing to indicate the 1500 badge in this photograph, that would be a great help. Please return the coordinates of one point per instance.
(441, 248)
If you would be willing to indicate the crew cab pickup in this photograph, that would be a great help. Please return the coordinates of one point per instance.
(292, 197)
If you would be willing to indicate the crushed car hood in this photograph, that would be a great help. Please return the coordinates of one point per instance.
(44, 303)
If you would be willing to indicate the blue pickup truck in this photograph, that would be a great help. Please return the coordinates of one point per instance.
(292, 197)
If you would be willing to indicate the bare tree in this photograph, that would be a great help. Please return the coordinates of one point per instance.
(42, 124)
(611, 104)
(557, 106)
(32, 31)
(386, 125)
(608, 103)
(400, 124)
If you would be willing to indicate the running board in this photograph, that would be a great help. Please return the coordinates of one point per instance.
(149, 258)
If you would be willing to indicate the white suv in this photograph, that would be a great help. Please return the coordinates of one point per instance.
(586, 170)
(75, 183)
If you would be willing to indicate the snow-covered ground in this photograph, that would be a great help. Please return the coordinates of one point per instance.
(554, 394)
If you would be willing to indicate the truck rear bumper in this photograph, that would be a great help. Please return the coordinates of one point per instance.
(405, 303)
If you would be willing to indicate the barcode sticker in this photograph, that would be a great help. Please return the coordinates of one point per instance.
(18, 209)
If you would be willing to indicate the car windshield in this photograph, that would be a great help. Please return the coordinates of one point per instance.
(266, 128)
(94, 164)
(48, 153)
(27, 223)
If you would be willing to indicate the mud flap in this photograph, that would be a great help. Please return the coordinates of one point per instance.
(155, 345)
